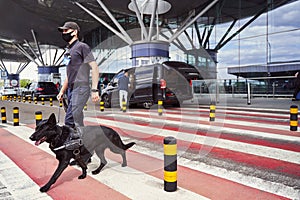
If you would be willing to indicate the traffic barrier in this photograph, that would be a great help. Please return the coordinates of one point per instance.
(124, 106)
(35, 100)
(170, 164)
(29, 99)
(3, 115)
(10, 98)
(19, 98)
(212, 112)
(51, 102)
(15, 98)
(38, 117)
(101, 106)
(16, 116)
(24, 99)
(43, 101)
(293, 118)
(60, 104)
(160, 107)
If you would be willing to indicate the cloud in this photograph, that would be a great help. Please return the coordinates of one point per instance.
(253, 46)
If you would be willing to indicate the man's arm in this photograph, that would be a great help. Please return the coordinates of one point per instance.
(95, 79)
(63, 89)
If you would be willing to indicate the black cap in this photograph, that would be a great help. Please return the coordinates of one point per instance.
(69, 25)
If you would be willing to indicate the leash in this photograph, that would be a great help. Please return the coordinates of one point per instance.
(65, 105)
(58, 114)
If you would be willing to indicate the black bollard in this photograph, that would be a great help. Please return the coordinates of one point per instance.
(293, 118)
(170, 164)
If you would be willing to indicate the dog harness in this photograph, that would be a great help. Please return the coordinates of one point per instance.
(71, 143)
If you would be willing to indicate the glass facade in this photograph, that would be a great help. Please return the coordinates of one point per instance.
(208, 43)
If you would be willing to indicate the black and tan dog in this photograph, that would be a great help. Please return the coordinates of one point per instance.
(94, 139)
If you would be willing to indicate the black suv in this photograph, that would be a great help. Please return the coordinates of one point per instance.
(41, 89)
(150, 83)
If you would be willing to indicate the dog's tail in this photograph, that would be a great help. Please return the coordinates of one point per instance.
(127, 146)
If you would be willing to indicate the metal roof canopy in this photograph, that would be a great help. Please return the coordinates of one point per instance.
(270, 69)
(20, 17)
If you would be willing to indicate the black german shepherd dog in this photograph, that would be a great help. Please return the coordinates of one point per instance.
(94, 139)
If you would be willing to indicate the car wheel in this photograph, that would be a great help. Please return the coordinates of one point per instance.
(107, 101)
(147, 105)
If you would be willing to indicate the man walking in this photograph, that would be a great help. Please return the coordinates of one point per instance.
(79, 60)
(123, 83)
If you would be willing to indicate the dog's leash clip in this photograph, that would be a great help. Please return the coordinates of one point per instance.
(76, 152)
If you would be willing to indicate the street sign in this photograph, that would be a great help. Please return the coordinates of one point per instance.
(3, 74)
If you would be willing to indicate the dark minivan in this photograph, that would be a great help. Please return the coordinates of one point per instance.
(169, 81)
(41, 89)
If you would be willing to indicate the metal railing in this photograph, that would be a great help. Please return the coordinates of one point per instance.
(259, 86)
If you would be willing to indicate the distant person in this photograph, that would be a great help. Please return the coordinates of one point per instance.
(79, 61)
(123, 83)
(105, 82)
(57, 85)
(297, 86)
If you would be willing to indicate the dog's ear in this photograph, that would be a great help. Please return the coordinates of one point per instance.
(52, 120)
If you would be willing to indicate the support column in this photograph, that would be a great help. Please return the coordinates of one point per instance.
(150, 52)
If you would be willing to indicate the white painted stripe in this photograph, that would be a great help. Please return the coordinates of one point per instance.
(211, 127)
(220, 119)
(17, 182)
(235, 176)
(226, 109)
(109, 175)
(253, 109)
(263, 151)
(124, 180)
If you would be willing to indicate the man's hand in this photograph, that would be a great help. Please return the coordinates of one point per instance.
(95, 97)
(60, 96)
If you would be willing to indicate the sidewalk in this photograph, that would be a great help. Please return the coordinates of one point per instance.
(15, 184)
(256, 103)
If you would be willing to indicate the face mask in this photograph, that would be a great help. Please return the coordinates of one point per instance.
(67, 36)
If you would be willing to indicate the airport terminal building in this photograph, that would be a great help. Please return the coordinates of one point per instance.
(138, 32)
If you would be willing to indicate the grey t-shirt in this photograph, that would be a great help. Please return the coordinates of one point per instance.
(78, 69)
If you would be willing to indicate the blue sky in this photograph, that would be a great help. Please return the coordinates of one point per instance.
(251, 46)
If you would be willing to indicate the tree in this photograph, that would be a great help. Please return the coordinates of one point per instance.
(24, 82)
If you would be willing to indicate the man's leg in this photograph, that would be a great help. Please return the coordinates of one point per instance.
(121, 98)
(125, 96)
(69, 120)
(80, 96)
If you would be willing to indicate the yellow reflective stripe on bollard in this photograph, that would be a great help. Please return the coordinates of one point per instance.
(3, 118)
(294, 110)
(38, 117)
(293, 123)
(16, 119)
(15, 111)
(212, 114)
(212, 107)
(170, 149)
(170, 176)
(160, 103)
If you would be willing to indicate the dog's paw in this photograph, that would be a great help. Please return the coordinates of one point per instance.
(97, 171)
(44, 188)
(74, 162)
(82, 176)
